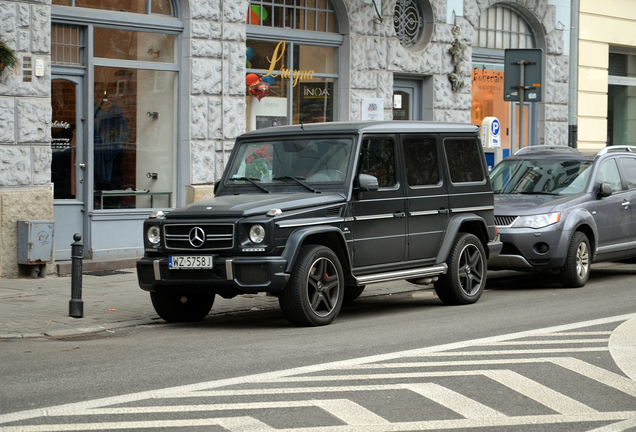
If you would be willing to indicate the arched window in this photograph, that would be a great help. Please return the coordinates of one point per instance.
(293, 54)
(501, 27)
(312, 15)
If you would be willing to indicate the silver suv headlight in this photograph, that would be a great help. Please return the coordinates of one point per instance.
(257, 234)
(537, 221)
(153, 234)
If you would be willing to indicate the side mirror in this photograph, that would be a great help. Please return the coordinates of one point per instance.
(367, 183)
(604, 190)
(216, 186)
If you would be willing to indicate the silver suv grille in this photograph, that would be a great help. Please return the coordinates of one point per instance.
(505, 220)
(199, 237)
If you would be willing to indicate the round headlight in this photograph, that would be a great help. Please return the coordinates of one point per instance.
(257, 233)
(154, 235)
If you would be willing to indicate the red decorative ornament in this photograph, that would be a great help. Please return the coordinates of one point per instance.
(251, 79)
(259, 90)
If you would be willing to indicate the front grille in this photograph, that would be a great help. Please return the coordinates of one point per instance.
(251, 274)
(216, 236)
(505, 220)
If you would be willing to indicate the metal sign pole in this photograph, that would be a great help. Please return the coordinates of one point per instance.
(522, 81)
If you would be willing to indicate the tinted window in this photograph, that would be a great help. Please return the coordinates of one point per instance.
(420, 156)
(608, 173)
(628, 165)
(464, 160)
(378, 160)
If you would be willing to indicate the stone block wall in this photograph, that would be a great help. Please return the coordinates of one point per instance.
(25, 125)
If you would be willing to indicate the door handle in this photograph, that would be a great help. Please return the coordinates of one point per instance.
(82, 165)
(625, 203)
(399, 214)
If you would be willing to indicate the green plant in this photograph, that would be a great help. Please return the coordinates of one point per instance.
(7, 56)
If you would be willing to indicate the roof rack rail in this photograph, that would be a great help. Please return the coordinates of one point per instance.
(547, 147)
(608, 149)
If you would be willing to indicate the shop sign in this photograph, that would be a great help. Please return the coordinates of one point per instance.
(285, 73)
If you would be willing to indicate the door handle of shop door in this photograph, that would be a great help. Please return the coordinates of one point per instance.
(82, 165)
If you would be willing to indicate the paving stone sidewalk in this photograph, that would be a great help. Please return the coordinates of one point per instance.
(31, 308)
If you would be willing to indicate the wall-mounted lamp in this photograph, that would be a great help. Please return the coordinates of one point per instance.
(377, 10)
(154, 114)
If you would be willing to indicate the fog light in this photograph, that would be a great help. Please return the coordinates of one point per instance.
(541, 248)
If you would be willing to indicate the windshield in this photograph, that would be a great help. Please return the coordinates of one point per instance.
(547, 176)
(287, 161)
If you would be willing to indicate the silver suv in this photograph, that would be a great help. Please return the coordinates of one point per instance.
(558, 210)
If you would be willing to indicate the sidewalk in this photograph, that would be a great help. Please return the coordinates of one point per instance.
(31, 308)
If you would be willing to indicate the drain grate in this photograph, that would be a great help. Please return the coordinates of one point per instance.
(105, 272)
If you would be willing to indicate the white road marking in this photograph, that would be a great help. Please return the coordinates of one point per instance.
(623, 348)
(601, 375)
(616, 427)
(446, 350)
(552, 341)
(452, 400)
(350, 412)
(540, 393)
(245, 424)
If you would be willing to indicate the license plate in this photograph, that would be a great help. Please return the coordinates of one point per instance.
(190, 262)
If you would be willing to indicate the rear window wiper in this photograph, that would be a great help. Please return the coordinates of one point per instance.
(297, 180)
(251, 180)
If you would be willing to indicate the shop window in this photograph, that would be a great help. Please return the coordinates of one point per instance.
(302, 83)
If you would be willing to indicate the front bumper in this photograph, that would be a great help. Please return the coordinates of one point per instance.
(230, 276)
(530, 249)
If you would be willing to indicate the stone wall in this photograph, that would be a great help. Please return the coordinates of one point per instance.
(25, 125)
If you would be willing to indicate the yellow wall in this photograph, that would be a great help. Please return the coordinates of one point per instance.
(601, 24)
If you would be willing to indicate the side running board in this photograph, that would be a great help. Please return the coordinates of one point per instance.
(403, 274)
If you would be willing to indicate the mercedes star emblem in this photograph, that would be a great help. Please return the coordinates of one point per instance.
(197, 237)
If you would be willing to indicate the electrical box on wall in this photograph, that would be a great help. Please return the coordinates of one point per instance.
(35, 242)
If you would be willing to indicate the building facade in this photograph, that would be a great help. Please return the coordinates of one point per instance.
(122, 107)
(606, 103)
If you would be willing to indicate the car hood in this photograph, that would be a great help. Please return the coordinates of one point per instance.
(251, 204)
(522, 204)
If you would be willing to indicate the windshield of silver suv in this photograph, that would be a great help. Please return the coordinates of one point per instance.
(541, 176)
(292, 160)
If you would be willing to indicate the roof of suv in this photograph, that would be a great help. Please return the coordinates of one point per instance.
(395, 126)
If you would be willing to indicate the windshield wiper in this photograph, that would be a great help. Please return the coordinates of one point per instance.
(537, 193)
(297, 180)
(251, 180)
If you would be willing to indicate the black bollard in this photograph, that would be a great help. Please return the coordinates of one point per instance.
(76, 305)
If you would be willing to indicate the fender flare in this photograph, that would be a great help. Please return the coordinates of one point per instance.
(577, 219)
(453, 228)
(297, 239)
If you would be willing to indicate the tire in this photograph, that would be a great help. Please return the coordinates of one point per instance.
(465, 279)
(576, 270)
(315, 291)
(352, 292)
(181, 308)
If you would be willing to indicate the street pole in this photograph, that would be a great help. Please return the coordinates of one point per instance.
(76, 305)
(522, 80)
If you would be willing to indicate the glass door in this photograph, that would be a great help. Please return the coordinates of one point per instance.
(67, 164)
(406, 99)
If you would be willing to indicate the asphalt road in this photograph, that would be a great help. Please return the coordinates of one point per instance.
(155, 365)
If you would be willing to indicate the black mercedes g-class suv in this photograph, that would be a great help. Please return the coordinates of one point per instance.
(313, 213)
